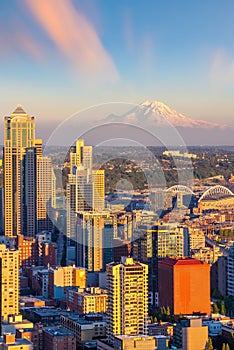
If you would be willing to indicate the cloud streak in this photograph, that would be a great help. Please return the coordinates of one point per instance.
(75, 37)
(20, 41)
(222, 68)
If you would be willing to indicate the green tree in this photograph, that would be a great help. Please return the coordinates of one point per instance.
(215, 308)
(222, 309)
(210, 345)
(168, 311)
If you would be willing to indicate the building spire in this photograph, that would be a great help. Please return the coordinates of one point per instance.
(19, 110)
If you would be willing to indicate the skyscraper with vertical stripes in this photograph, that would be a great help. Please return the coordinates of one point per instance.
(19, 134)
(29, 182)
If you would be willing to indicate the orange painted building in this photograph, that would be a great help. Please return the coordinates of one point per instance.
(184, 286)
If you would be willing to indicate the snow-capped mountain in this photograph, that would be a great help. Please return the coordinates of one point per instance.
(156, 113)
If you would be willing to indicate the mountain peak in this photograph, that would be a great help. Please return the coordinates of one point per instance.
(156, 113)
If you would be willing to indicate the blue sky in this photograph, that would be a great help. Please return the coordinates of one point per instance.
(58, 57)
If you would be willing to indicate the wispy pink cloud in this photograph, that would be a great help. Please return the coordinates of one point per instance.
(222, 67)
(74, 36)
(17, 41)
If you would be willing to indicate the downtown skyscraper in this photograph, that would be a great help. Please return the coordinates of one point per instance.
(23, 183)
(85, 192)
(19, 134)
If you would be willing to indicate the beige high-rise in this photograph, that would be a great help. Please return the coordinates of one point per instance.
(85, 191)
(9, 281)
(90, 230)
(19, 134)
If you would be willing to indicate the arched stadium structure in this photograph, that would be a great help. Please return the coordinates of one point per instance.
(216, 198)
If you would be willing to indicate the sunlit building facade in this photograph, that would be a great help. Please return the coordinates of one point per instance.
(127, 298)
(9, 281)
(85, 191)
(19, 134)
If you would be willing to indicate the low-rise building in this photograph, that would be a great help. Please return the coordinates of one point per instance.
(87, 300)
(190, 334)
(31, 334)
(86, 328)
(162, 328)
(49, 316)
(124, 342)
(207, 254)
(11, 343)
(58, 338)
(31, 301)
(66, 276)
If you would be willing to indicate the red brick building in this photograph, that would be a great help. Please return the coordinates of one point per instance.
(28, 252)
(31, 334)
(58, 338)
(184, 286)
(49, 252)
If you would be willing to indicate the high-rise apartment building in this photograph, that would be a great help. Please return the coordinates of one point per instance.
(29, 200)
(156, 243)
(9, 281)
(81, 155)
(1, 211)
(92, 240)
(46, 189)
(85, 191)
(127, 298)
(18, 136)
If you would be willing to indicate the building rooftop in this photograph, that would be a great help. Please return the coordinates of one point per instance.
(181, 262)
(134, 337)
(47, 311)
(86, 319)
(18, 341)
(19, 110)
(28, 298)
(58, 331)
(126, 261)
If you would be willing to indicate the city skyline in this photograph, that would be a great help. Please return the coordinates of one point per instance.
(117, 175)
(117, 52)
